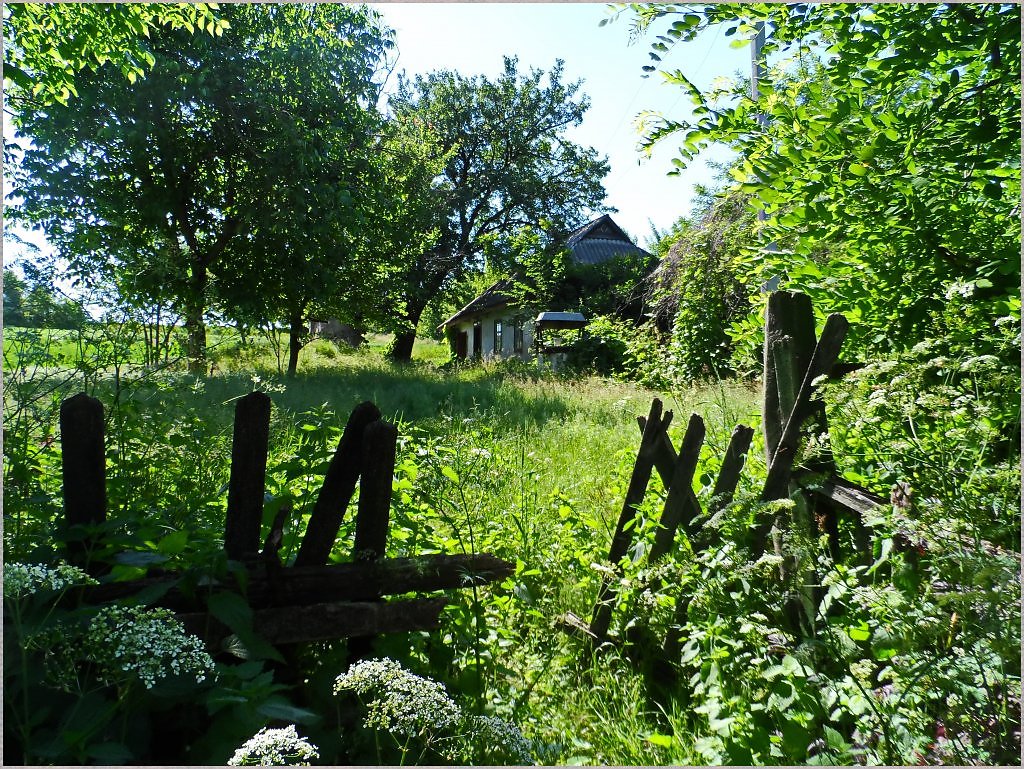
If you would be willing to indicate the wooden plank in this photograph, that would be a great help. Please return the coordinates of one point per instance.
(825, 354)
(327, 621)
(665, 454)
(247, 485)
(376, 480)
(641, 476)
(84, 470)
(788, 315)
(681, 505)
(374, 511)
(732, 466)
(338, 487)
(304, 585)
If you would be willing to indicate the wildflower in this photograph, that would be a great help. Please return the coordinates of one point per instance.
(146, 643)
(400, 701)
(24, 579)
(501, 740)
(275, 747)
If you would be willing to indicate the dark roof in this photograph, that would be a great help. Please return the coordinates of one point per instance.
(493, 296)
(600, 240)
(595, 242)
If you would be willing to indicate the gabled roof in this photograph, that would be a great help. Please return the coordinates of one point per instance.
(595, 242)
(600, 240)
(492, 297)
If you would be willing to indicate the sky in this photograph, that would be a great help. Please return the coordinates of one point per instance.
(473, 38)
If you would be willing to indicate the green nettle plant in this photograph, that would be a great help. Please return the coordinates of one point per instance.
(76, 678)
(416, 716)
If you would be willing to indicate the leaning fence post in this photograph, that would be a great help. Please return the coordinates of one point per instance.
(374, 511)
(655, 426)
(338, 487)
(83, 467)
(247, 484)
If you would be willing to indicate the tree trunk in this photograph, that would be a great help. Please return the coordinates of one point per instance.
(296, 339)
(401, 347)
(194, 324)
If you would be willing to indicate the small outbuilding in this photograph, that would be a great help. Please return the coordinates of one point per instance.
(493, 324)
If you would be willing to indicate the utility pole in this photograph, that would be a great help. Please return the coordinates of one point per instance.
(758, 72)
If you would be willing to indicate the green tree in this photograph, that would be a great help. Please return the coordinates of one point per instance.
(233, 158)
(46, 44)
(510, 166)
(884, 148)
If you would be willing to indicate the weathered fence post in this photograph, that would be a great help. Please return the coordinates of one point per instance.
(247, 485)
(372, 516)
(681, 505)
(338, 487)
(656, 426)
(378, 461)
(84, 470)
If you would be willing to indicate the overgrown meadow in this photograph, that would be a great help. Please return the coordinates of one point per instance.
(912, 657)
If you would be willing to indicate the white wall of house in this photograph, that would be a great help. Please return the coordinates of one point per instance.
(506, 344)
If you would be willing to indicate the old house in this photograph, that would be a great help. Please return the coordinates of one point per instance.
(493, 325)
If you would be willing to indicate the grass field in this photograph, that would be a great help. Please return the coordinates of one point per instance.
(497, 458)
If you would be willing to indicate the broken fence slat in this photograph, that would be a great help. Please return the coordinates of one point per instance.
(681, 505)
(377, 476)
(826, 352)
(303, 585)
(732, 465)
(327, 621)
(641, 477)
(665, 454)
(338, 487)
(247, 485)
(83, 467)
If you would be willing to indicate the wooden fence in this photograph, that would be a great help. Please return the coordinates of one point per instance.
(794, 360)
(309, 600)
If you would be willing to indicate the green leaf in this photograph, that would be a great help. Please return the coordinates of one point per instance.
(232, 610)
(173, 543)
(860, 633)
(661, 740)
(450, 474)
(280, 709)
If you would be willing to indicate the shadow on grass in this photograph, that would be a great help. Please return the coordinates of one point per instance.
(417, 394)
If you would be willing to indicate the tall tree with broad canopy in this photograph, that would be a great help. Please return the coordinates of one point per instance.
(231, 149)
(509, 167)
(884, 147)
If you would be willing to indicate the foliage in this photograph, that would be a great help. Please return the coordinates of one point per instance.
(418, 713)
(509, 166)
(698, 290)
(620, 348)
(911, 653)
(162, 186)
(38, 305)
(45, 45)
(883, 146)
(72, 676)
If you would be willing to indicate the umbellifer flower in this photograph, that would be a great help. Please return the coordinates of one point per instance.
(275, 747)
(399, 701)
(145, 643)
(24, 579)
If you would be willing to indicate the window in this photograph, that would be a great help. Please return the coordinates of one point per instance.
(517, 336)
(497, 337)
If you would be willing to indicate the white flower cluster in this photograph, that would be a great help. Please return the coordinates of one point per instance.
(24, 579)
(275, 747)
(501, 739)
(147, 643)
(401, 702)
